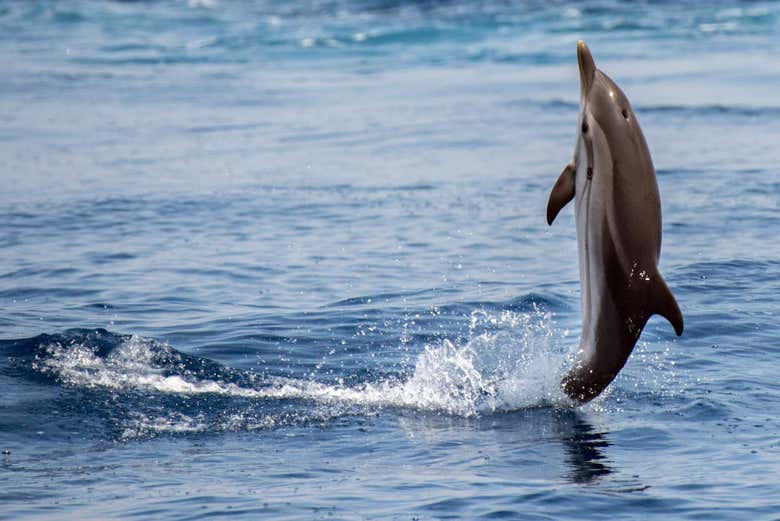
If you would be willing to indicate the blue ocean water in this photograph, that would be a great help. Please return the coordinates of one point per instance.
(290, 261)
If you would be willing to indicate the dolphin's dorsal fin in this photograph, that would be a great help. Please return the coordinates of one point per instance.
(562, 193)
(665, 305)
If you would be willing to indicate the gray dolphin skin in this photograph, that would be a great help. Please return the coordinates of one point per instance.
(618, 214)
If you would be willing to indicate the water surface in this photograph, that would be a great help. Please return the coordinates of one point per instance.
(291, 262)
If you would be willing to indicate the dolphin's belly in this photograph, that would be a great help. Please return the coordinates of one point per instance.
(592, 240)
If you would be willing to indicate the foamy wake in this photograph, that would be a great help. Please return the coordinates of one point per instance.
(510, 361)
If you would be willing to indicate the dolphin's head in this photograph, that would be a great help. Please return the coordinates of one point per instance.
(601, 100)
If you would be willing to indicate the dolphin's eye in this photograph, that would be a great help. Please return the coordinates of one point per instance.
(625, 113)
(584, 127)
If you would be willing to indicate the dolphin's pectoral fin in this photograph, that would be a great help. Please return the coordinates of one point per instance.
(665, 305)
(562, 193)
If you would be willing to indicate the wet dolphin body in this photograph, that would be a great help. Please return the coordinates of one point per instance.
(618, 215)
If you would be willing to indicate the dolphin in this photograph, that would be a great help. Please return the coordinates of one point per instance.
(617, 210)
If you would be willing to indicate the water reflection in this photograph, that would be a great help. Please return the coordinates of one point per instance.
(585, 448)
(528, 441)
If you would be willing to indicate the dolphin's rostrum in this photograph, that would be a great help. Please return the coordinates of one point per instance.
(618, 215)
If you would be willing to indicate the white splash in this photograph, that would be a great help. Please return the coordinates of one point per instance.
(512, 363)
(130, 366)
(140, 425)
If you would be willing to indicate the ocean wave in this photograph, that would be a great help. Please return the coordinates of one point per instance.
(702, 111)
(448, 33)
(517, 364)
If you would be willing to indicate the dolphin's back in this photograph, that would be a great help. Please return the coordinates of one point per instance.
(635, 216)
